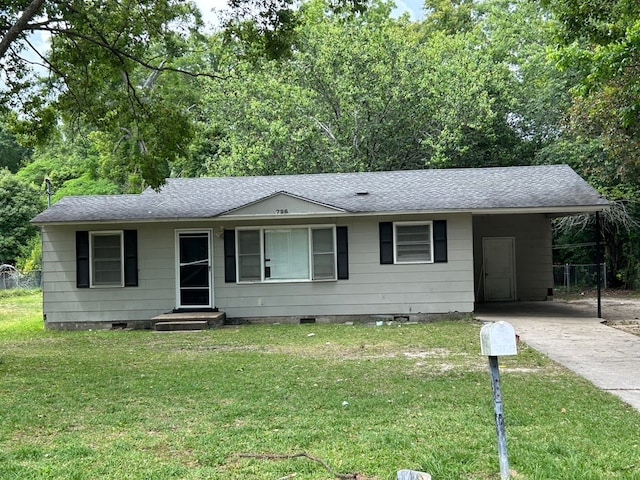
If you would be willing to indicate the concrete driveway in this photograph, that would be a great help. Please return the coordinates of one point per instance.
(575, 338)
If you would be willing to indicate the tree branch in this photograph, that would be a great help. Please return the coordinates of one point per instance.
(32, 27)
(17, 28)
(120, 53)
(270, 456)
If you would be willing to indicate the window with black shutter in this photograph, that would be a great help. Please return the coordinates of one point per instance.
(413, 242)
(106, 258)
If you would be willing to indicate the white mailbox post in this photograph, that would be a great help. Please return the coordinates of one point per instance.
(497, 339)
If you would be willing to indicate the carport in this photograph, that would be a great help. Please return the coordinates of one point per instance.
(512, 252)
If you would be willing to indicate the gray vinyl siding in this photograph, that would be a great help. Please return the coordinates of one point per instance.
(533, 251)
(371, 288)
(63, 302)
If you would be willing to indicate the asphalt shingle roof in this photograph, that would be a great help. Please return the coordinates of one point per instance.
(473, 189)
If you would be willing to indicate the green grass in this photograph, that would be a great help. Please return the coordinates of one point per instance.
(20, 313)
(145, 405)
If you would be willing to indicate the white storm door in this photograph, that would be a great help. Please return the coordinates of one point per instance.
(194, 287)
(499, 269)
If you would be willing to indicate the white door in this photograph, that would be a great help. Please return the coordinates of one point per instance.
(499, 269)
(193, 269)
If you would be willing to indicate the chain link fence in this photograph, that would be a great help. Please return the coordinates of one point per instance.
(577, 276)
(11, 278)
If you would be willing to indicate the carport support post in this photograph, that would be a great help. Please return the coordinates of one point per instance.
(494, 371)
(599, 264)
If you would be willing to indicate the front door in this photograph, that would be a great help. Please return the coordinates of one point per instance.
(499, 269)
(193, 269)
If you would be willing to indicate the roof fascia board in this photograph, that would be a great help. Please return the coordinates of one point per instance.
(193, 219)
(572, 210)
(558, 211)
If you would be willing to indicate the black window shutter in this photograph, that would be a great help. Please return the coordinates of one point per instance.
(82, 259)
(130, 258)
(386, 243)
(230, 256)
(342, 253)
(440, 241)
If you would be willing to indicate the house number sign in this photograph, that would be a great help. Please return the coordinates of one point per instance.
(282, 211)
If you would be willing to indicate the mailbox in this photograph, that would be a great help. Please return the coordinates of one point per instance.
(498, 338)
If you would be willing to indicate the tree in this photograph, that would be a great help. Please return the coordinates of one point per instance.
(109, 64)
(450, 16)
(75, 165)
(601, 39)
(19, 203)
(12, 154)
(368, 92)
(113, 64)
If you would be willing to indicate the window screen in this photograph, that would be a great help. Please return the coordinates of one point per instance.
(413, 243)
(249, 256)
(324, 262)
(106, 259)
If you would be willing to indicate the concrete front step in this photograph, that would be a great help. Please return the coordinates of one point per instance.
(180, 326)
(171, 322)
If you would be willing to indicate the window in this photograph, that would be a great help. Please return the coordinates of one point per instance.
(286, 254)
(413, 243)
(249, 256)
(107, 259)
(324, 264)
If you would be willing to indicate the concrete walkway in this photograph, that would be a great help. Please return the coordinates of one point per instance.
(607, 357)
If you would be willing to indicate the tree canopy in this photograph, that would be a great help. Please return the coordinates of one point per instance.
(110, 64)
(19, 203)
(601, 39)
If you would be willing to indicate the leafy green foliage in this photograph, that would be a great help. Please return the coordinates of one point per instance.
(19, 203)
(262, 27)
(369, 92)
(75, 166)
(12, 155)
(269, 28)
(106, 65)
(598, 21)
(601, 39)
(450, 16)
(30, 258)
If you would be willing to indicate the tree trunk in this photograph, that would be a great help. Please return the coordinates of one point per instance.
(17, 28)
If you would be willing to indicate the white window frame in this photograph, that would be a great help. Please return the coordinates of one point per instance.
(105, 233)
(309, 228)
(395, 242)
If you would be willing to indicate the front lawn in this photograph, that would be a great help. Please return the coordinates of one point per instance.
(367, 400)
